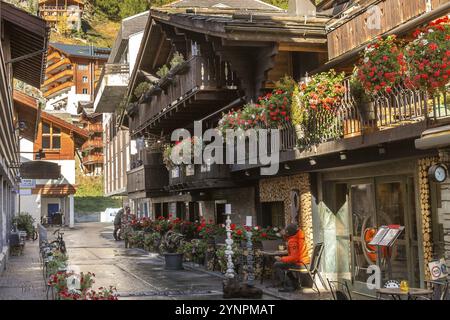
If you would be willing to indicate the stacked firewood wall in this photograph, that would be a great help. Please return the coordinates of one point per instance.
(425, 207)
(279, 189)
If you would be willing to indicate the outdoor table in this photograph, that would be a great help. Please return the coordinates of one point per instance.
(397, 294)
(268, 254)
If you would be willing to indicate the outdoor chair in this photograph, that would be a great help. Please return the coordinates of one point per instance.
(339, 290)
(268, 246)
(440, 288)
(313, 270)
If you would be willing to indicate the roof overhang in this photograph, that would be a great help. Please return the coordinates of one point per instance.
(29, 39)
(434, 138)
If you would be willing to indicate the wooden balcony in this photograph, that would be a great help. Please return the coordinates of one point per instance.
(92, 144)
(194, 89)
(65, 86)
(111, 86)
(392, 118)
(195, 177)
(57, 66)
(150, 179)
(93, 159)
(357, 30)
(94, 128)
(59, 77)
(55, 55)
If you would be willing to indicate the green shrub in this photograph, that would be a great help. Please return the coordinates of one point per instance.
(24, 222)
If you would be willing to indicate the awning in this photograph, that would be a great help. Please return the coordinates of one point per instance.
(434, 138)
(40, 170)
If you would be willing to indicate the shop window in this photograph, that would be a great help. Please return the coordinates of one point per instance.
(273, 214)
(51, 136)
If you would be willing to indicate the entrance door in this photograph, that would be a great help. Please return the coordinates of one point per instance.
(52, 208)
(362, 220)
(383, 201)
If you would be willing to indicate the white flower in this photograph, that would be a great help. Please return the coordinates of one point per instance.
(366, 59)
(424, 42)
(278, 235)
(256, 228)
(430, 30)
(275, 229)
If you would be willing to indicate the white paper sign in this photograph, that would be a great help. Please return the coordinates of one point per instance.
(228, 208)
(248, 221)
(438, 269)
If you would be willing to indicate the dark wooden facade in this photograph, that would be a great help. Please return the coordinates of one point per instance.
(226, 65)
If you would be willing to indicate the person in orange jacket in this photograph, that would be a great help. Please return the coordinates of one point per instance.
(297, 257)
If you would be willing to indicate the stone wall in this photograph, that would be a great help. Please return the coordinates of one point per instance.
(280, 189)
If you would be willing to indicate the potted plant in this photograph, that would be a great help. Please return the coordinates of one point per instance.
(298, 114)
(171, 247)
(177, 64)
(428, 57)
(141, 90)
(381, 68)
(322, 97)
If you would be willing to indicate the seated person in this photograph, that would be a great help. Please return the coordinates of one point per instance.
(297, 256)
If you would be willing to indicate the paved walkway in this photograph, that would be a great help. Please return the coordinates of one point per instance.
(136, 273)
(23, 278)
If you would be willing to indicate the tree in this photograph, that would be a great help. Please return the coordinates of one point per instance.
(131, 7)
(108, 7)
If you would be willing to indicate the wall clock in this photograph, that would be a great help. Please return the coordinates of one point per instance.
(437, 173)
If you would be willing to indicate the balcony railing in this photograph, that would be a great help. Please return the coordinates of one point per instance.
(402, 107)
(198, 176)
(196, 74)
(111, 86)
(92, 144)
(93, 159)
(94, 128)
(147, 175)
(56, 90)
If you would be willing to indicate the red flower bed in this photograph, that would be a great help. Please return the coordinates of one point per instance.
(382, 65)
(428, 56)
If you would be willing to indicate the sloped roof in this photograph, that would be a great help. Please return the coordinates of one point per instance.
(224, 4)
(82, 51)
(29, 38)
(27, 109)
(128, 27)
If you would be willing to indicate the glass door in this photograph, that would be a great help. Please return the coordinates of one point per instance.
(376, 202)
(363, 222)
(396, 205)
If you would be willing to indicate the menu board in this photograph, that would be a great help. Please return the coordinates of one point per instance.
(386, 235)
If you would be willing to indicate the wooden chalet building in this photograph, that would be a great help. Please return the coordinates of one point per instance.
(62, 14)
(23, 45)
(71, 76)
(352, 182)
(232, 56)
(49, 141)
(92, 149)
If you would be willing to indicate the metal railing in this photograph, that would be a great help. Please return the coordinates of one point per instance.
(197, 73)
